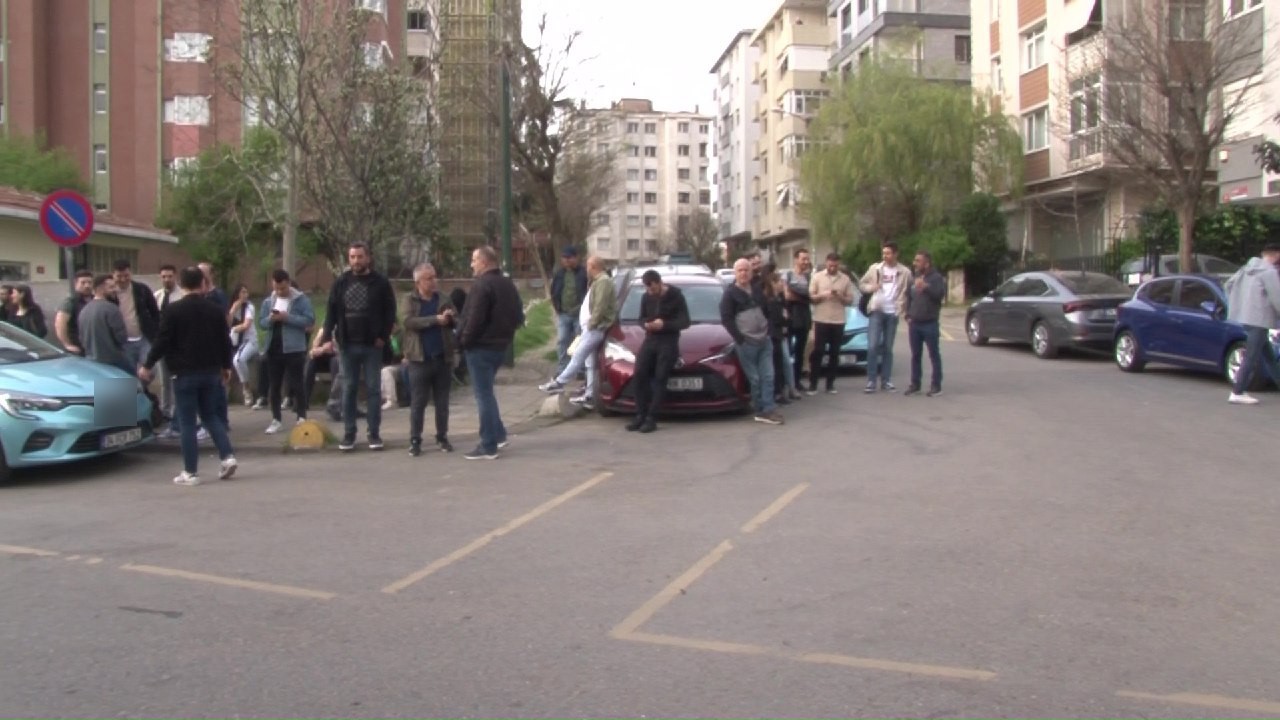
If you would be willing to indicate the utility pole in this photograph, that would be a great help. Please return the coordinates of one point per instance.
(506, 182)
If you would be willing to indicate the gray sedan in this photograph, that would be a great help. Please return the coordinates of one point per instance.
(1050, 311)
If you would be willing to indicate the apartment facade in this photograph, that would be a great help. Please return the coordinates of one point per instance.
(736, 133)
(929, 36)
(1240, 178)
(664, 168)
(791, 72)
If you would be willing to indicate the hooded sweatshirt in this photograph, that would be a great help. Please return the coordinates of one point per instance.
(1253, 295)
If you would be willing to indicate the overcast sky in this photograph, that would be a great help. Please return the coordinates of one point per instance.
(657, 49)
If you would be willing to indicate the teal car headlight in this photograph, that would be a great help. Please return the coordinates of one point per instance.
(20, 404)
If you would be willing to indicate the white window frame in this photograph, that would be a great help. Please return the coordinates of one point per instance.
(650, 175)
(100, 104)
(633, 198)
(187, 110)
(651, 151)
(633, 244)
(603, 243)
(187, 47)
(651, 198)
(373, 54)
(1246, 7)
(651, 128)
(100, 166)
(682, 150)
(633, 128)
(378, 6)
(633, 175)
(1085, 116)
(1182, 11)
(99, 38)
(602, 218)
(682, 174)
(633, 221)
(1035, 130)
(684, 197)
(997, 75)
(682, 127)
(651, 221)
(1034, 48)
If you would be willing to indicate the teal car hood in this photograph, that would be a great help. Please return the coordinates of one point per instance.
(63, 377)
(854, 321)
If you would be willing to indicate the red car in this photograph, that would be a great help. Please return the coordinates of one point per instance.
(707, 377)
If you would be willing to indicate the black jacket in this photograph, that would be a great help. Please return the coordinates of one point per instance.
(926, 305)
(144, 303)
(492, 313)
(736, 300)
(382, 308)
(193, 337)
(669, 307)
(557, 286)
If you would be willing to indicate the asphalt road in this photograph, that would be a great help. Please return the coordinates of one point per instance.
(1049, 538)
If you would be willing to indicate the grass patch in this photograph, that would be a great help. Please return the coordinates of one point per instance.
(539, 328)
(551, 355)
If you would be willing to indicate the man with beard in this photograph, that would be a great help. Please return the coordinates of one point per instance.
(664, 314)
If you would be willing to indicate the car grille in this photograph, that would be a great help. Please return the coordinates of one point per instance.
(37, 441)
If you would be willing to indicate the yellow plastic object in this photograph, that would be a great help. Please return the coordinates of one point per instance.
(308, 435)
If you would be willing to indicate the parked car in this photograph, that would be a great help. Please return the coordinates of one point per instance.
(1137, 271)
(1181, 320)
(46, 406)
(707, 377)
(725, 275)
(1050, 311)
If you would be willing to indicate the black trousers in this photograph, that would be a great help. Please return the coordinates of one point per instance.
(654, 363)
(282, 368)
(429, 381)
(801, 336)
(826, 341)
(779, 366)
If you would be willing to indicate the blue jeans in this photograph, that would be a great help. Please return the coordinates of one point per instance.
(585, 356)
(1257, 350)
(483, 366)
(925, 334)
(882, 328)
(361, 367)
(567, 328)
(756, 360)
(201, 394)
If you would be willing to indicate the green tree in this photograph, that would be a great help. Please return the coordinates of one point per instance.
(986, 231)
(28, 163)
(698, 235)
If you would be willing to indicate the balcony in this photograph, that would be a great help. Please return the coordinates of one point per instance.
(1085, 146)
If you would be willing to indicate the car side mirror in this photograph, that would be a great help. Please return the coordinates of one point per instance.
(994, 294)
(1214, 310)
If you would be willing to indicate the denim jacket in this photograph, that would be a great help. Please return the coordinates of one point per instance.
(301, 316)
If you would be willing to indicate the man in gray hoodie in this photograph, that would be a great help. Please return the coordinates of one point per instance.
(1253, 300)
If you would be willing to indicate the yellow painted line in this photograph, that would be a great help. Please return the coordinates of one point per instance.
(696, 644)
(945, 335)
(19, 550)
(669, 593)
(775, 508)
(1263, 707)
(231, 582)
(93, 561)
(492, 535)
(941, 671)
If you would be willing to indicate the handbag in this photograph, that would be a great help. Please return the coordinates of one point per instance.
(864, 303)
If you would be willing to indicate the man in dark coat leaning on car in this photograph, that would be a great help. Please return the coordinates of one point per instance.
(664, 314)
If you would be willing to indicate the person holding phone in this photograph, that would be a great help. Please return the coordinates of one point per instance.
(286, 315)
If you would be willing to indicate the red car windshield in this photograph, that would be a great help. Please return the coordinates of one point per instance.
(703, 302)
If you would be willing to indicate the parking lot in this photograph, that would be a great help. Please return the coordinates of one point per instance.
(1047, 538)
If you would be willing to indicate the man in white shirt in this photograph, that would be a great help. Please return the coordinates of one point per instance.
(169, 292)
(887, 283)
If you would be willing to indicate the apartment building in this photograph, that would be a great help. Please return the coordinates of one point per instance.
(791, 73)
(664, 161)
(929, 36)
(1240, 178)
(736, 133)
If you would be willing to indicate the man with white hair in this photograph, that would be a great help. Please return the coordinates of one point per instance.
(598, 313)
(427, 342)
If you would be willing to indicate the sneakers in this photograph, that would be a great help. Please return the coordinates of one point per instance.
(648, 426)
(445, 446)
(1242, 399)
(934, 391)
(551, 387)
(259, 404)
(389, 405)
(502, 444)
(415, 448)
(870, 388)
(347, 443)
(187, 479)
(227, 467)
(811, 391)
(375, 442)
(769, 418)
(299, 421)
(248, 401)
(273, 428)
(584, 402)
(912, 390)
(202, 435)
(888, 387)
(481, 454)
(634, 425)
(167, 434)
(832, 391)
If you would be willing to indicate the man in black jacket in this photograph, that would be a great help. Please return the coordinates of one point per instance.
(663, 315)
(360, 318)
(742, 312)
(141, 313)
(194, 344)
(568, 289)
(925, 296)
(490, 317)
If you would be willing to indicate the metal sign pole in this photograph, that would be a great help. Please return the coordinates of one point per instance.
(68, 259)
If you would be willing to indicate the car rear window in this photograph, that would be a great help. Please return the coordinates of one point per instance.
(1092, 284)
(703, 302)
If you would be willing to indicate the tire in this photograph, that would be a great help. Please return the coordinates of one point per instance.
(1127, 353)
(973, 329)
(1042, 341)
(1231, 363)
(5, 473)
(601, 410)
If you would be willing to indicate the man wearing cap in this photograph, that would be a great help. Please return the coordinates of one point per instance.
(568, 290)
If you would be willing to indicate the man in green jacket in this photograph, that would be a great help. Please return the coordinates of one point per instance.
(428, 319)
(598, 313)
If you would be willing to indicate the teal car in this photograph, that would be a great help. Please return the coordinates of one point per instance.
(47, 406)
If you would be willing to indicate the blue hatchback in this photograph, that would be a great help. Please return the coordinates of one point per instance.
(46, 406)
(1180, 320)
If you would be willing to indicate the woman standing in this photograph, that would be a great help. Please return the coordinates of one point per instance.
(776, 311)
(25, 313)
(244, 338)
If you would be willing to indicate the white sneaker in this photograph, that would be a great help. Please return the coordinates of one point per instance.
(248, 401)
(202, 435)
(259, 404)
(227, 468)
(1242, 399)
(299, 421)
(388, 405)
(274, 427)
(187, 479)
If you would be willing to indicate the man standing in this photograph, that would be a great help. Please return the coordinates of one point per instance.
(742, 312)
(886, 282)
(141, 315)
(664, 314)
(102, 328)
(360, 318)
(598, 313)
(212, 291)
(830, 292)
(799, 312)
(169, 292)
(924, 306)
(568, 290)
(489, 321)
(194, 344)
(428, 346)
(66, 323)
(286, 314)
(1253, 300)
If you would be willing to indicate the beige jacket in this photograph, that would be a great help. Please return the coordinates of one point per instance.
(830, 310)
(870, 283)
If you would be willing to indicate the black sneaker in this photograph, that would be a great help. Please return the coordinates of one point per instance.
(934, 391)
(444, 446)
(634, 425)
(648, 426)
(481, 454)
(375, 442)
(415, 448)
(912, 390)
(347, 444)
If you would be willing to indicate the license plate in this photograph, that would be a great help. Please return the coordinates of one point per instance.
(120, 439)
(1104, 314)
(691, 384)
(848, 360)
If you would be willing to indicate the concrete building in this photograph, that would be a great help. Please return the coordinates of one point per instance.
(930, 36)
(1240, 177)
(664, 161)
(790, 73)
(737, 132)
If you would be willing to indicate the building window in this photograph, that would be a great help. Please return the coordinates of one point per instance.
(704, 128)
(702, 150)
(683, 198)
(1186, 19)
(1033, 55)
(185, 47)
(633, 174)
(634, 151)
(419, 20)
(650, 221)
(1086, 116)
(997, 77)
(682, 127)
(1035, 130)
(702, 172)
(682, 150)
(602, 148)
(704, 197)
(602, 243)
(650, 198)
(793, 147)
(633, 127)
(602, 219)
(187, 110)
(633, 197)
(378, 6)
(651, 151)
(633, 221)
(964, 50)
(15, 271)
(650, 175)
(373, 54)
(651, 245)
(803, 102)
(1238, 7)
(650, 128)
(100, 159)
(1, 112)
(100, 37)
(633, 244)
(683, 173)
(863, 5)
(100, 98)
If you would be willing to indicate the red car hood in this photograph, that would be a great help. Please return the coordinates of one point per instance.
(698, 342)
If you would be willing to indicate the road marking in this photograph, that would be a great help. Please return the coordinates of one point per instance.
(942, 671)
(19, 550)
(945, 335)
(231, 582)
(492, 535)
(767, 514)
(696, 644)
(1262, 707)
(643, 614)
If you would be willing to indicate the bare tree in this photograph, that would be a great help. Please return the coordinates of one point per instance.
(1174, 74)
(696, 233)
